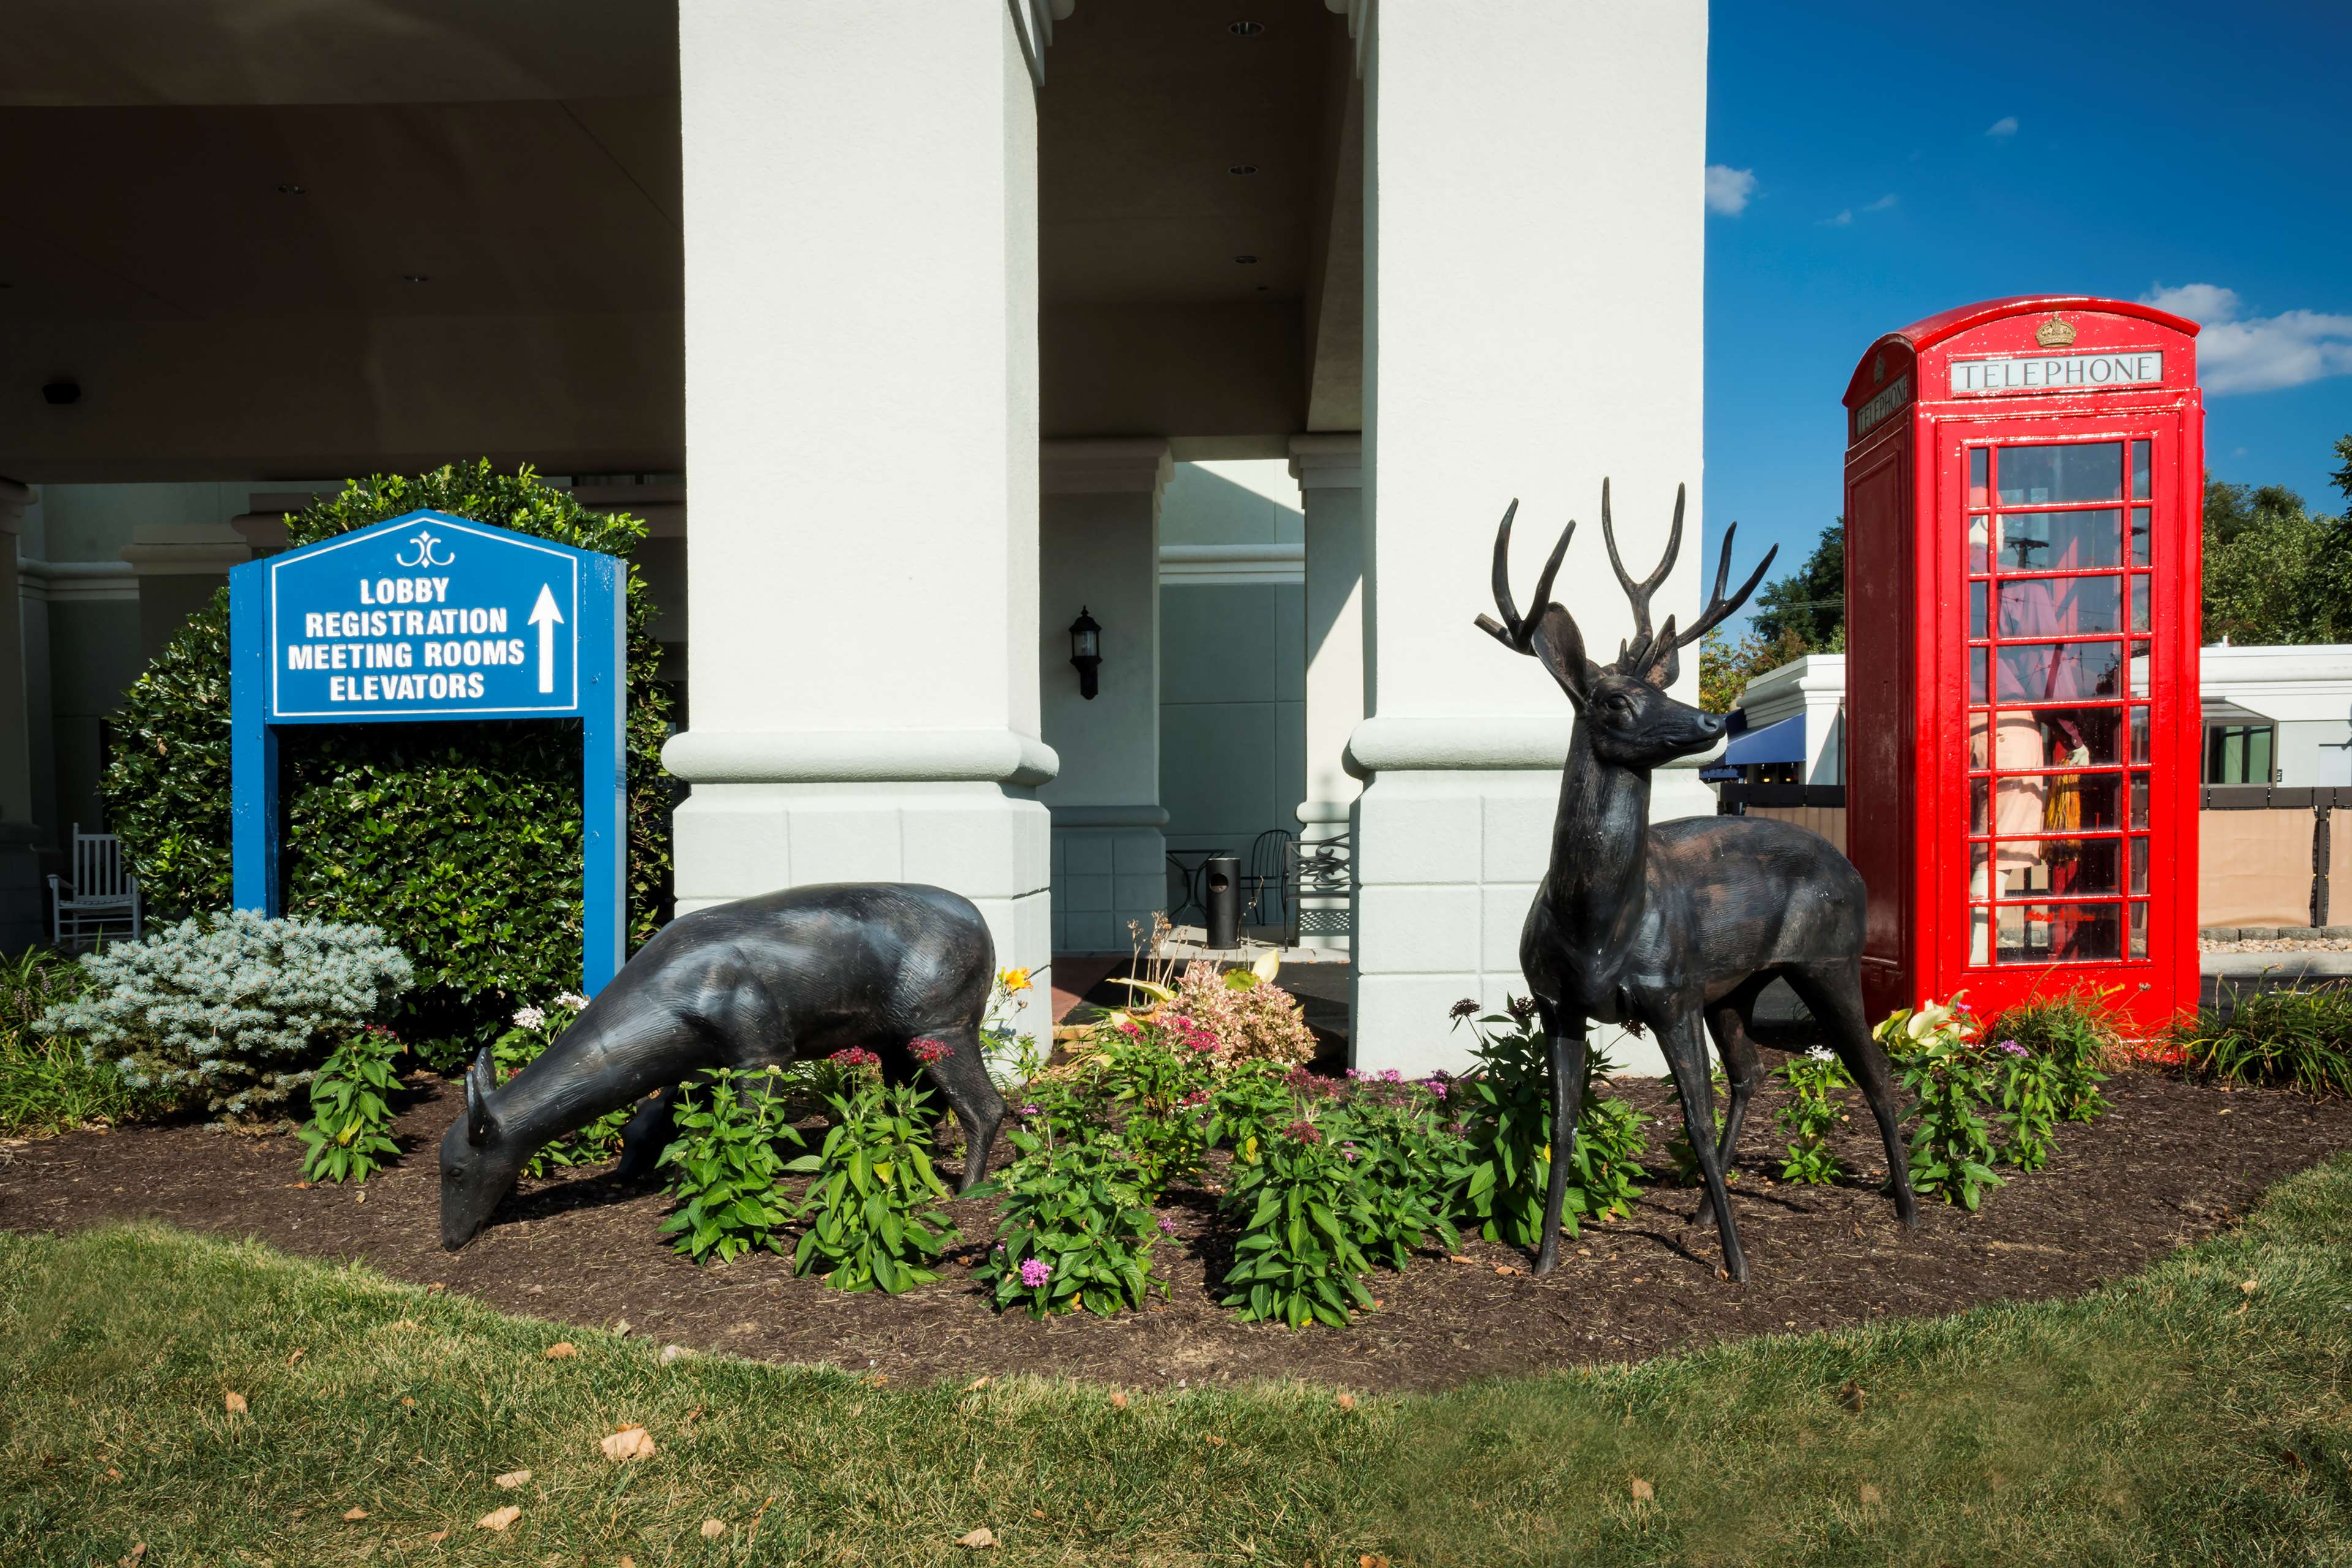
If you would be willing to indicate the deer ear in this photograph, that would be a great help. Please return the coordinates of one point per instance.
(1667, 665)
(481, 1079)
(1560, 648)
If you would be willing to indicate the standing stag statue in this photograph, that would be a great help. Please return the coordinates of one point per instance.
(1659, 926)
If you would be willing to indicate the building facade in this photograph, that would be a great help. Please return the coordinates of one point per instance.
(901, 323)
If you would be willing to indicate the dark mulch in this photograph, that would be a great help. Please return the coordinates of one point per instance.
(2171, 1163)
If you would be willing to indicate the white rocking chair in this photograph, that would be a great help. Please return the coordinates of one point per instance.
(99, 899)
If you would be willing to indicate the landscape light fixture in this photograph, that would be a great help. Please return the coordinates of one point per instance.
(1085, 651)
(291, 189)
(61, 392)
(1245, 29)
(1245, 261)
(1241, 169)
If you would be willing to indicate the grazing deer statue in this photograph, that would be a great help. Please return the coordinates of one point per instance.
(1659, 926)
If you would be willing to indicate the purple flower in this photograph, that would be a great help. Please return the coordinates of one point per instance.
(1167, 1226)
(1351, 1152)
(1028, 1110)
(1437, 1087)
(1462, 1009)
(1520, 1008)
(1035, 1272)
(2011, 1047)
(1391, 1075)
(1353, 1074)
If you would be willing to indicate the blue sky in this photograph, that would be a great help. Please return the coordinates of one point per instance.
(1872, 165)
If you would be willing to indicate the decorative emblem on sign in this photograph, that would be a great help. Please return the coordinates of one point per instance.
(1879, 368)
(2056, 332)
(425, 541)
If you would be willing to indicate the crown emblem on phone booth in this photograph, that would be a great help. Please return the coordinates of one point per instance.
(2056, 332)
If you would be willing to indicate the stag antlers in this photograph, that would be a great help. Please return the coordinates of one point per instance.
(1550, 632)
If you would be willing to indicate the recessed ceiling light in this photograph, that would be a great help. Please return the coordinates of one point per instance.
(416, 278)
(291, 189)
(1245, 29)
(1245, 261)
(1241, 169)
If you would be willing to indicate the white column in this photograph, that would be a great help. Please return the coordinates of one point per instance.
(861, 390)
(21, 921)
(1534, 179)
(1330, 474)
(180, 567)
(1098, 549)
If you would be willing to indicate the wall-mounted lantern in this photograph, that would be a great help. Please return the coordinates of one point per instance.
(1085, 651)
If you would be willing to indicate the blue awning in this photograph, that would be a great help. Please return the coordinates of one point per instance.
(1781, 742)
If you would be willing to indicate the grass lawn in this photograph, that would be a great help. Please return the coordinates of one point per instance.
(2195, 1413)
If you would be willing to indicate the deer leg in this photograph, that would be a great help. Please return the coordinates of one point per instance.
(1686, 1059)
(1833, 992)
(962, 1076)
(1729, 1021)
(1568, 1055)
(647, 1135)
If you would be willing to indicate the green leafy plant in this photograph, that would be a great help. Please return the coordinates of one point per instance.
(1158, 1082)
(1074, 1232)
(460, 841)
(1301, 1208)
(348, 1134)
(530, 1030)
(1246, 1104)
(1503, 1105)
(1401, 1153)
(1013, 1057)
(2029, 1104)
(1678, 1147)
(232, 1012)
(1936, 1049)
(725, 1162)
(872, 1183)
(2302, 1038)
(2078, 1036)
(1811, 1115)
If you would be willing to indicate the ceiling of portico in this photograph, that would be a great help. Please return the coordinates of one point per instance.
(522, 158)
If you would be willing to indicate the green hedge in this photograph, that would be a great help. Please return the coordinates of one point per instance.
(461, 841)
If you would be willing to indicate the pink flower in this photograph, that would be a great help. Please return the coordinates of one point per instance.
(1391, 1075)
(855, 1057)
(1035, 1272)
(927, 1050)
(1167, 1226)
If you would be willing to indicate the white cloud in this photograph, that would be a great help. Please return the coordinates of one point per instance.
(1844, 219)
(1883, 202)
(2005, 126)
(2237, 353)
(1727, 189)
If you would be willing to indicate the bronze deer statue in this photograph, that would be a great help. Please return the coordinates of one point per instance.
(1660, 927)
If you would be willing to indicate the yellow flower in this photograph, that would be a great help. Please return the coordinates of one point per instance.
(1015, 981)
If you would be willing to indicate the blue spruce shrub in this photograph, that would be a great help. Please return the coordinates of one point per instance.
(232, 1012)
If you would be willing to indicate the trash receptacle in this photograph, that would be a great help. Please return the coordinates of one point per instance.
(1221, 895)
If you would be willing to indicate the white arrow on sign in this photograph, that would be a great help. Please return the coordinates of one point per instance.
(546, 617)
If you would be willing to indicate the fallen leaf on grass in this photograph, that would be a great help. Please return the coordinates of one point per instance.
(234, 1402)
(295, 1357)
(1347, 1402)
(1457, 1258)
(1367, 1559)
(437, 1285)
(354, 1514)
(876, 1379)
(562, 1350)
(131, 1559)
(437, 1538)
(1213, 1440)
(1869, 1495)
(112, 1474)
(1506, 1269)
(628, 1563)
(1119, 1401)
(2249, 1286)
(978, 1539)
(1643, 1491)
(713, 1529)
(628, 1443)
(975, 1386)
(408, 1400)
(404, 1323)
(1037, 1513)
(498, 1518)
(1850, 1395)
(620, 1325)
(511, 1480)
(672, 1354)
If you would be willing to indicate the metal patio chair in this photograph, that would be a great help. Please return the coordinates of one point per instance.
(99, 899)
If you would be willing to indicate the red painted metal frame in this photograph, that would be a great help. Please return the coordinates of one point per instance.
(1907, 644)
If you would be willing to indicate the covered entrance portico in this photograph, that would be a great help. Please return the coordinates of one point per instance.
(922, 302)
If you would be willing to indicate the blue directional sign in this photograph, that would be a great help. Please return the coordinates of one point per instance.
(431, 617)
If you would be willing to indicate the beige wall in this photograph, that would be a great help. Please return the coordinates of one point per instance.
(1829, 821)
(2254, 867)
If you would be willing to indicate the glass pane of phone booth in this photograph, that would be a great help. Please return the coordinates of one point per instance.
(2058, 561)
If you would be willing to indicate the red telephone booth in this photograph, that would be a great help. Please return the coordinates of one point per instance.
(2023, 499)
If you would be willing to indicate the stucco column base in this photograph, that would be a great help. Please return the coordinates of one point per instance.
(1110, 871)
(987, 841)
(1447, 861)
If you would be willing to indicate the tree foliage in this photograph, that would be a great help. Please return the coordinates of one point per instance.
(460, 840)
(1801, 613)
(2276, 571)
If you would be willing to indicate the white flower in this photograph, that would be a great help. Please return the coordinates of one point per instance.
(572, 999)
(528, 1018)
